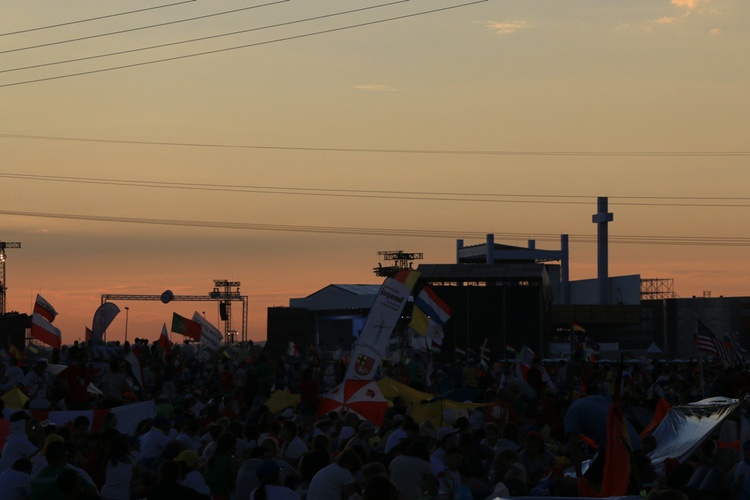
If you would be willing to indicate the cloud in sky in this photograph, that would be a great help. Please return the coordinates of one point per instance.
(666, 20)
(374, 87)
(688, 4)
(508, 27)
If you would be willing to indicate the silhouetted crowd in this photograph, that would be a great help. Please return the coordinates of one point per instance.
(531, 432)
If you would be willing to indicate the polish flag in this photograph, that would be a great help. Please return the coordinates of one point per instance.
(42, 330)
(44, 309)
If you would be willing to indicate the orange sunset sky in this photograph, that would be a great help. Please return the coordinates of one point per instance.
(162, 145)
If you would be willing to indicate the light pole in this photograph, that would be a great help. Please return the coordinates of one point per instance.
(127, 310)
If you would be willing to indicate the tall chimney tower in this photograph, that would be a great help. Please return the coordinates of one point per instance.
(601, 219)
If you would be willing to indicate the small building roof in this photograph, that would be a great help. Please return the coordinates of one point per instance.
(338, 297)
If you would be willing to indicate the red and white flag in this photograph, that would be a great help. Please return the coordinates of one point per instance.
(164, 340)
(44, 331)
(44, 309)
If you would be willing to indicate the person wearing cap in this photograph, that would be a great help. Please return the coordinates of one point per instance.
(39, 461)
(271, 486)
(190, 475)
(37, 384)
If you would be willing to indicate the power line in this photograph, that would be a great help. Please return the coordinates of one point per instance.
(201, 39)
(465, 152)
(684, 201)
(723, 241)
(139, 28)
(79, 21)
(237, 47)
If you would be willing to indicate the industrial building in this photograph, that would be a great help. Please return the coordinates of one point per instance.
(502, 295)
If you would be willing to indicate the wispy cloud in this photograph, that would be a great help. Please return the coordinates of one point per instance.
(715, 32)
(508, 27)
(688, 4)
(666, 20)
(374, 87)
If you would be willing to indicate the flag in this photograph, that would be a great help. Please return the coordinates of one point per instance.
(134, 374)
(733, 349)
(292, 350)
(164, 340)
(15, 352)
(433, 306)
(381, 320)
(44, 331)
(186, 327)
(44, 309)
(88, 335)
(706, 341)
(420, 322)
(577, 327)
(103, 317)
(210, 336)
(523, 361)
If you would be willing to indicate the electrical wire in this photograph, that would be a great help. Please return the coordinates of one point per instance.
(201, 39)
(392, 232)
(464, 152)
(391, 195)
(108, 16)
(237, 47)
(140, 28)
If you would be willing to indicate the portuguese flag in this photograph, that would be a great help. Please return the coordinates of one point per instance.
(186, 327)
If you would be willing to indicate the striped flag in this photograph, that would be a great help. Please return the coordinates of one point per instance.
(706, 341)
(44, 309)
(44, 331)
(163, 340)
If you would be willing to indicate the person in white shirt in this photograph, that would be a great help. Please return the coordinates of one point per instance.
(336, 481)
(118, 469)
(154, 443)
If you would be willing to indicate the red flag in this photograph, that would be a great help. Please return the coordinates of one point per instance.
(164, 340)
(44, 309)
(42, 330)
(661, 411)
(187, 327)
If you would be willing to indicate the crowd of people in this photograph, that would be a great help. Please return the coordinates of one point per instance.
(213, 436)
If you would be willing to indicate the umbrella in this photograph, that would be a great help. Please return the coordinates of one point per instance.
(362, 397)
(15, 399)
